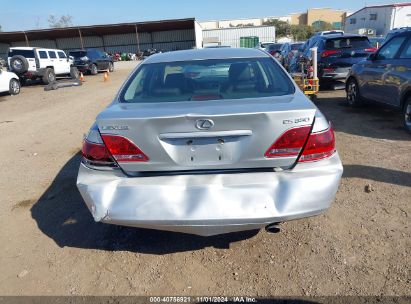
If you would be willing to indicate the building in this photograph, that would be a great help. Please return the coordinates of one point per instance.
(216, 24)
(379, 19)
(165, 35)
(317, 16)
(231, 36)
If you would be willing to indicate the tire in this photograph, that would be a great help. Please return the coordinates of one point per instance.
(49, 76)
(14, 86)
(407, 114)
(111, 67)
(93, 69)
(19, 64)
(353, 93)
(74, 73)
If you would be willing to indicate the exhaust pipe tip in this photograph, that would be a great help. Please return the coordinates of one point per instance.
(273, 228)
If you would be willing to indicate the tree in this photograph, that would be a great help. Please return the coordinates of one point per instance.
(242, 25)
(322, 26)
(63, 21)
(1, 29)
(301, 32)
(282, 28)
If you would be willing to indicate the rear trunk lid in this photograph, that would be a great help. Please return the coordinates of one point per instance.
(346, 51)
(208, 135)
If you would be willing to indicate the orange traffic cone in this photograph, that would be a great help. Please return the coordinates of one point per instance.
(105, 76)
(82, 77)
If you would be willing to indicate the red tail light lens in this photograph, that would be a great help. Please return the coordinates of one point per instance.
(96, 154)
(123, 150)
(327, 53)
(319, 145)
(290, 143)
(371, 50)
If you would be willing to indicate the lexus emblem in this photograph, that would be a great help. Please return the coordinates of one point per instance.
(204, 124)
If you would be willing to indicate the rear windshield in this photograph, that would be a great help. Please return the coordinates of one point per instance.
(350, 43)
(24, 53)
(200, 80)
(275, 47)
(78, 54)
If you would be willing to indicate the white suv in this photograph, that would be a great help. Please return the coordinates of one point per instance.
(33, 63)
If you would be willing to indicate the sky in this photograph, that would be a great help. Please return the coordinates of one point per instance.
(33, 14)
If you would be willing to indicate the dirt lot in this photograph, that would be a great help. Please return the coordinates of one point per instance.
(51, 246)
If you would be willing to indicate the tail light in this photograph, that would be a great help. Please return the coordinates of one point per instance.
(371, 50)
(290, 143)
(328, 70)
(328, 53)
(94, 152)
(104, 150)
(320, 145)
(311, 146)
(122, 149)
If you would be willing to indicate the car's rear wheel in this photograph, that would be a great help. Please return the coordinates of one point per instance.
(93, 69)
(49, 76)
(353, 94)
(407, 114)
(14, 87)
(111, 67)
(74, 73)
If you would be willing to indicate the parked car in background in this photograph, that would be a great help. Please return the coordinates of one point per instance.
(288, 51)
(385, 77)
(9, 82)
(92, 61)
(209, 153)
(32, 63)
(396, 31)
(149, 52)
(264, 45)
(275, 49)
(337, 53)
(295, 62)
(376, 42)
(332, 32)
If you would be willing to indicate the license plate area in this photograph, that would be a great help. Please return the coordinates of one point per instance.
(193, 151)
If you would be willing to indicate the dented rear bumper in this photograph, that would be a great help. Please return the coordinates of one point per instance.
(210, 204)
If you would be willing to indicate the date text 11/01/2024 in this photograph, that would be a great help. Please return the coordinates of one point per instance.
(204, 299)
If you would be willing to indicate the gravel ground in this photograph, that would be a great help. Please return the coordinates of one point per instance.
(51, 246)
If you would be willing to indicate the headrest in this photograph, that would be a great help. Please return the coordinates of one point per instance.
(174, 80)
(239, 72)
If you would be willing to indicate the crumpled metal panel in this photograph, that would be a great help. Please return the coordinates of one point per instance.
(210, 204)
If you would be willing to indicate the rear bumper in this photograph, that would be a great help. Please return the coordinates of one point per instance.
(83, 67)
(339, 73)
(210, 204)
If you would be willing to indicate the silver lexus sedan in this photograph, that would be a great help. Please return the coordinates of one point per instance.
(207, 142)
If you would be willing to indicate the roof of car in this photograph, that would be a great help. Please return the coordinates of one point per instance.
(23, 48)
(206, 53)
(342, 36)
(400, 29)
